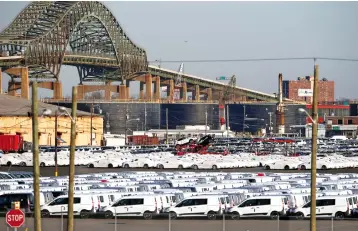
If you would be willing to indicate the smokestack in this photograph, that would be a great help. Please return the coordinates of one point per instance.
(280, 112)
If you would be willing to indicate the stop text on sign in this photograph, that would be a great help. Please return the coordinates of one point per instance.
(12, 217)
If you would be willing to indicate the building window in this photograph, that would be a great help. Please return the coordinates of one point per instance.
(340, 121)
(350, 121)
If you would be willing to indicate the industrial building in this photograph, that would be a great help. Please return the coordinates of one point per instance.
(295, 89)
(342, 125)
(325, 110)
(16, 119)
(146, 116)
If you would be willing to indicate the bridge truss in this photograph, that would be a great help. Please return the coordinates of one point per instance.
(44, 31)
(49, 34)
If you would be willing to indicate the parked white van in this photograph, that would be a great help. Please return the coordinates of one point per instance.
(83, 206)
(266, 206)
(197, 206)
(327, 206)
(296, 201)
(140, 205)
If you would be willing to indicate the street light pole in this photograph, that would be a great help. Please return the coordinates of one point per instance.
(314, 149)
(56, 144)
(125, 129)
(270, 113)
(145, 116)
(243, 123)
(166, 119)
(92, 107)
(206, 120)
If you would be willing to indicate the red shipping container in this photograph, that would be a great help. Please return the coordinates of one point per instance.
(143, 140)
(11, 143)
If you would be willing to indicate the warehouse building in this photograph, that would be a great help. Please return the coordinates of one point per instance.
(15, 119)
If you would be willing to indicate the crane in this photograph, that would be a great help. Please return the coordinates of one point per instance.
(229, 90)
(177, 82)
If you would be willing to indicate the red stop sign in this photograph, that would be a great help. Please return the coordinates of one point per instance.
(15, 218)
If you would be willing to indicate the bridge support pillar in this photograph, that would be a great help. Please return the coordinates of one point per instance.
(209, 94)
(0, 80)
(157, 88)
(57, 90)
(122, 92)
(81, 92)
(12, 88)
(148, 86)
(107, 91)
(170, 91)
(141, 90)
(127, 89)
(25, 84)
(23, 73)
(183, 92)
(197, 93)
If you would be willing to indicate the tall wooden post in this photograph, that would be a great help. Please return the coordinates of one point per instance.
(36, 160)
(71, 183)
(314, 149)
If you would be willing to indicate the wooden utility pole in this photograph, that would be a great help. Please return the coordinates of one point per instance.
(36, 161)
(314, 149)
(71, 183)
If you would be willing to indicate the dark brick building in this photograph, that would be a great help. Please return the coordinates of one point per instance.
(325, 89)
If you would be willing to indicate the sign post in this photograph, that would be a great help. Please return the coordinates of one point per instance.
(15, 218)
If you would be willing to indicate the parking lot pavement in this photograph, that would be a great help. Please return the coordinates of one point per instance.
(54, 224)
(63, 171)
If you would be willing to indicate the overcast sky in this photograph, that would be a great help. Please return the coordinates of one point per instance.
(238, 30)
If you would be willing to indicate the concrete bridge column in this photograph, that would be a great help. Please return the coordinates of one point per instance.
(157, 88)
(12, 88)
(127, 89)
(171, 90)
(0, 80)
(107, 91)
(57, 90)
(23, 73)
(209, 92)
(25, 84)
(141, 90)
(183, 92)
(81, 92)
(148, 86)
(197, 93)
(122, 91)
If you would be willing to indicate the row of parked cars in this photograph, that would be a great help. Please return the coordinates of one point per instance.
(186, 194)
(168, 160)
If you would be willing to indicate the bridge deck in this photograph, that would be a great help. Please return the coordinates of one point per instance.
(106, 61)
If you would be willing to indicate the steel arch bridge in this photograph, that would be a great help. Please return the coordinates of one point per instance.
(85, 34)
(45, 31)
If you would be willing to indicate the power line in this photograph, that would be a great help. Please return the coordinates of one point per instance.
(252, 60)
